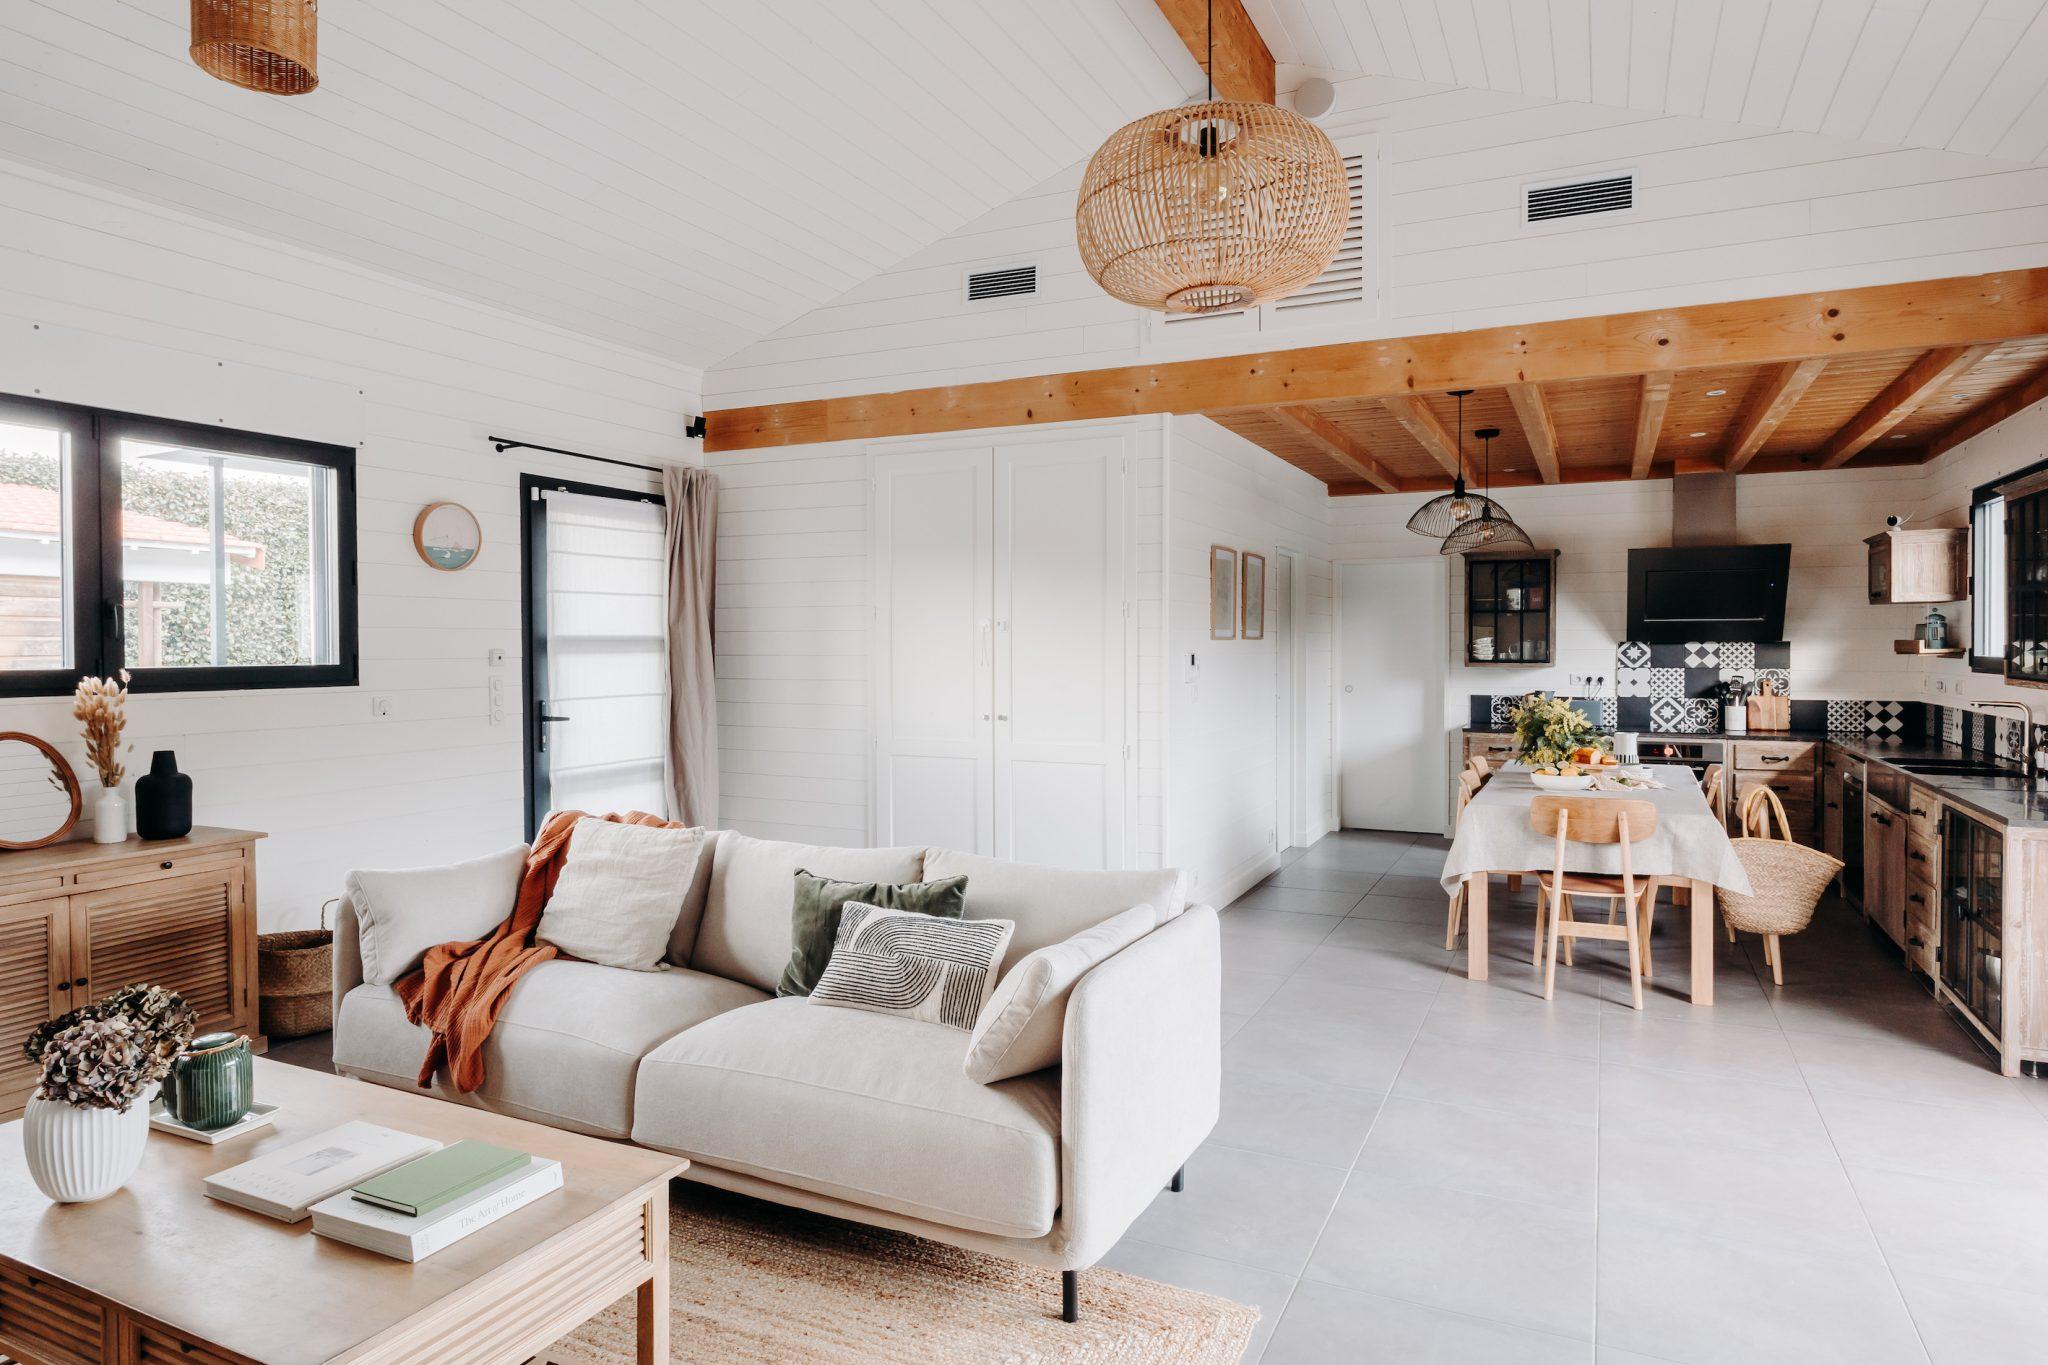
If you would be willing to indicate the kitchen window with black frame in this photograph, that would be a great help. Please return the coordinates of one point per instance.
(199, 559)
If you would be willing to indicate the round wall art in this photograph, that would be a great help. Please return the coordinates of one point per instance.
(447, 536)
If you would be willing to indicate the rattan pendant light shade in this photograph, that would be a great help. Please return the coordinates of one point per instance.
(270, 46)
(1212, 206)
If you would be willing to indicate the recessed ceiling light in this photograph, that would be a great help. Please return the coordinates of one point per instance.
(1898, 436)
(1715, 393)
(1698, 434)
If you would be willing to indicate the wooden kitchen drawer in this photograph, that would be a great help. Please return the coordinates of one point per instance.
(1494, 748)
(1923, 918)
(1779, 756)
(132, 870)
(1923, 855)
(1923, 810)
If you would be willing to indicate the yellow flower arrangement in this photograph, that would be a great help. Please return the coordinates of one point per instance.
(1548, 730)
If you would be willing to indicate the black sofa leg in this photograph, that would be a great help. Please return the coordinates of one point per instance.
(1180, 1180)
(1070, 1296)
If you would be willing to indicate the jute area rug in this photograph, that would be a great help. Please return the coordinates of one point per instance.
(753, 1281)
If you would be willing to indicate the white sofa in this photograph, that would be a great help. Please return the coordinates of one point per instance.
(863, 1116)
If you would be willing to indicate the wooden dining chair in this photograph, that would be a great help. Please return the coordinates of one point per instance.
(1593, 820)
(1468, 787)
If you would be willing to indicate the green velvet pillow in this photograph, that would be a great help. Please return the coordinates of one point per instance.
(814, 918)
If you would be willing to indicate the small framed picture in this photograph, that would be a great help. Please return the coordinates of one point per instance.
(1222, 593)
(447, 536)
(1254, 596)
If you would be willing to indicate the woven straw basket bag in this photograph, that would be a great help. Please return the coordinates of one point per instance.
(295, 980)
(1787, 879)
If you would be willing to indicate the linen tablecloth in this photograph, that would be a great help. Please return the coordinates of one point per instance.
(1689, 845)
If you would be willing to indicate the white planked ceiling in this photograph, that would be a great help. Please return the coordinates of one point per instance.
(678, 178)
(1963, 75)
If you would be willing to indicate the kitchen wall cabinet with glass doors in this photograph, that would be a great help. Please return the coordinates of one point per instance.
(2026, 579)
(1511, 608)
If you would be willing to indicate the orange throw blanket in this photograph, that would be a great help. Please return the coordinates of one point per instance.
(460, 987)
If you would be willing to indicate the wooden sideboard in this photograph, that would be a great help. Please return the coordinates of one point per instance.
(81, 920)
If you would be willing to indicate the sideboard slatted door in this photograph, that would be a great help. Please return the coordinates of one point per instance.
(177, 932)
(35, 956)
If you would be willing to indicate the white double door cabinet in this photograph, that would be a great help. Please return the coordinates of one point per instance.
(1001, 665)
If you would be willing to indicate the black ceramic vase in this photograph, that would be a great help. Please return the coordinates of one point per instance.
(163, 799)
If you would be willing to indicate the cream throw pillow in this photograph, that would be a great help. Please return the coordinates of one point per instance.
(919, 966)
(620, 892)
(1021, 1027)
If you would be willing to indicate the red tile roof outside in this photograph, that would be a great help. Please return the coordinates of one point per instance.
(28, 510)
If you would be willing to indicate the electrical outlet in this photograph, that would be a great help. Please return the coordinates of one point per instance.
(380, 707)
(496, 658)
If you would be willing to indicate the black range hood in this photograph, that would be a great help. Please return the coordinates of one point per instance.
(1705, 586)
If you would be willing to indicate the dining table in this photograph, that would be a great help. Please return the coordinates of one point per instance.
(1690, 847)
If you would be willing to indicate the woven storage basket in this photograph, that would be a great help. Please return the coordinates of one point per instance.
(295, 975)
(1788, 879)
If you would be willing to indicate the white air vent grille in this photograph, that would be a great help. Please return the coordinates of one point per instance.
(1609, 194)
(1344, 280)
(1001, 282)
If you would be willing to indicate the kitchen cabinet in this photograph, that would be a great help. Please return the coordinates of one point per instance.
(2026, 580)
(1973, 921)
(1919, 566)
(1791, 769)
(1923, 879)
(1495, 749)
(1831, 803)
(1510, 608)
(79, 921)
(1884, 867)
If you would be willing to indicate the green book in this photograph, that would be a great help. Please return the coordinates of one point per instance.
(426, 1183)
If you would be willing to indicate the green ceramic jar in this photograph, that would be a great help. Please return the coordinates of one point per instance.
(212, 1084)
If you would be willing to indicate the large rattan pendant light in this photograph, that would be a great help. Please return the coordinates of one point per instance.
(1492, 529)
(1212, 206)
(270, 46)
(1446, 512)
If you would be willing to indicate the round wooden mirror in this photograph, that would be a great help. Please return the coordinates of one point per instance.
(39, 796)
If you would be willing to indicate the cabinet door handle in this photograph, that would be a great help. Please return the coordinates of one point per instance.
(1884, 820)
(79, 982)
(165, 864)
(1916, 896)
(1776, 758)
(1834, 805)
(1917, 856)
(1919, 811)
(63, 985)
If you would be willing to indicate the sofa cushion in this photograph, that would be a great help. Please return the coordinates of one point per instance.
(917, 966)
(1023, 1026)
(869, 1108)
(684, 938)
(620, 892)
(565, 1048)
(1049, 904)
(814, 918)
(745, 933)
(402, 912)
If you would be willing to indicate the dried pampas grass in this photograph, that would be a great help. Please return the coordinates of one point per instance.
(101, 706)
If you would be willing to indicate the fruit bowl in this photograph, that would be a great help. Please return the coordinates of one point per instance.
(1552, 782)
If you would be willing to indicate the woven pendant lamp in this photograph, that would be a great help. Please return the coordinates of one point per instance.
(1492, 529)
(1212, 206)
(270, 46)
(1446, 512)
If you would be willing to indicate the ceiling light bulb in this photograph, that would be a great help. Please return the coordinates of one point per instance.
(1697, 434)
(1487, 532)
(1715, 393)
(1461, 510)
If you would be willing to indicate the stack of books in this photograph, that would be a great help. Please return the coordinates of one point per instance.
(386, 1191)
(415, 1210)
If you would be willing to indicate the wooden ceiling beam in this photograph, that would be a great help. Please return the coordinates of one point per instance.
(1991, 414)
(1777, 392)
(1653, 399)
(1963, 311)
(1415, 415)
(1534, 415)
(1923, 379)
(1578, 474)
(1243, 67)
(1331, 439)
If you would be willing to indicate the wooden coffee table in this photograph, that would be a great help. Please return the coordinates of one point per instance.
(159, 1271)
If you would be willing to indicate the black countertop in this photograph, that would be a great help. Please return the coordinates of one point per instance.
(2007, 800)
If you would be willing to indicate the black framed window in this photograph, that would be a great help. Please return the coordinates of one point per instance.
(1987, 580)
(198, 558)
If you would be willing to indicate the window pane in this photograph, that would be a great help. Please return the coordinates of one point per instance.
(1987, 579)
(35, 569)
(226, 560)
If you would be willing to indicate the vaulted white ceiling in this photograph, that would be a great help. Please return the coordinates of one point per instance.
(677, 177)
(1965, 75)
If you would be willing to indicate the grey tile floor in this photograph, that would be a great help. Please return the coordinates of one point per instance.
(1413, 1167)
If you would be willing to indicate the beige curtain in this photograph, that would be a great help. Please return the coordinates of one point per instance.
(692, 543)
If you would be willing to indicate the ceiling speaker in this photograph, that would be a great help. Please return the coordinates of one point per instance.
(1314, 97)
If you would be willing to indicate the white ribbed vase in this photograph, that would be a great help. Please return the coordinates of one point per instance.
(77, 1154)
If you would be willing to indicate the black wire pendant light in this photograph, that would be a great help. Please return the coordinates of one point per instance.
(1446, 512)
(1493, 528)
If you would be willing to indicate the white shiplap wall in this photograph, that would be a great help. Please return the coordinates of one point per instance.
(1724, 211)
(1222, 747)
(111, 302)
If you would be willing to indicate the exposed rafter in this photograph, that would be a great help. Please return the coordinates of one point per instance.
(1243, 68)
(1653, 397)
(1427, 429)
(1776, 394)
(1927, 376)
(1332, 441)
(1958, 312)
(1991, 414)
(1537, 425)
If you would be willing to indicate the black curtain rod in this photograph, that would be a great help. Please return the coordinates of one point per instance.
(505, 443)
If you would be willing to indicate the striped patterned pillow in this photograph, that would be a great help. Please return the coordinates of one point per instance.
(918, 966)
